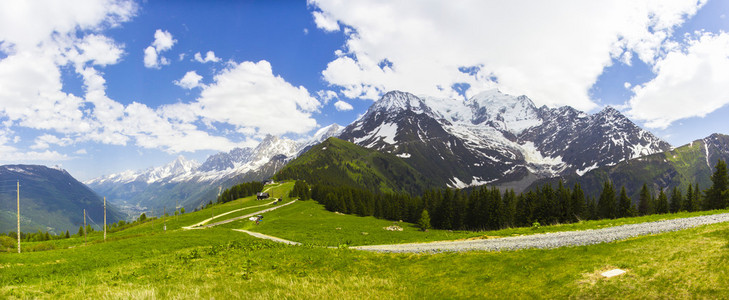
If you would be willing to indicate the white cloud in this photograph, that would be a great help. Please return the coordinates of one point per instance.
(80, 152)
(209, 57)
(326, 96)
(343, 106)
(163, 41)
(150, 57)
(189, 81)
(552, 52)
(697, 75)
(37, 39)
(249, 96)
(325, 21)
(44, 141)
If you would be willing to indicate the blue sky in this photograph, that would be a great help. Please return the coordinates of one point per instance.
(104, 86)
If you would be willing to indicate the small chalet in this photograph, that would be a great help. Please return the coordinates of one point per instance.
(261, 196)
(268, 181)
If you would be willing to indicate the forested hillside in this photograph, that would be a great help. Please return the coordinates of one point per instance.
(335, 162)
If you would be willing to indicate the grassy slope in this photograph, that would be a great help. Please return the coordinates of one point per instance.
(309, 223)
(220, 263)
(337, 162)
(198, 263)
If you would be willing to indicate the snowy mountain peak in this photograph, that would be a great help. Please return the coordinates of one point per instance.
(504, 112)
(396, 101)
(326, 132)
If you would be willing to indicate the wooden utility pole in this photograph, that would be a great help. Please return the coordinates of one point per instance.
(104, 218)
(18, 216)
(164, 219)
(84, 227)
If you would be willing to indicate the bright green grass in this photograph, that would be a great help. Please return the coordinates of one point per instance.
(156, 225)
(199, 264)
(309, 223)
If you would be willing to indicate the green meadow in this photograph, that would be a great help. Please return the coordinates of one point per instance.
(145, 262)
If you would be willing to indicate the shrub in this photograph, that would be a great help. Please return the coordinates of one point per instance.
(7, 243)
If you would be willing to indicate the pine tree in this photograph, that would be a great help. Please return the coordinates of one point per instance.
(676, 200)
(688, 204)
(606, 205)
(717, 196)
(662, 203)
(624, 204)
(67, 235)
(644, 204)
(81, 230)
(578, 203)
(424, 222)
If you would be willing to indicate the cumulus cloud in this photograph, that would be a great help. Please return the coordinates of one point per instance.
(326, 95)
(343, 106)
(209, 57)
(44, 141)
(551, 52)
(190, 80)
(37, 40)
(249, 96)
(163, 41)
(325, 22)
(697, 75)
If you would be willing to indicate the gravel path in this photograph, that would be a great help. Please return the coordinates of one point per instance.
(238, 218)
(197, 225)
(555, 239)
(267, 237)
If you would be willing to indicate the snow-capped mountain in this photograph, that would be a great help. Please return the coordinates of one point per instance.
(188, 183)
(177, 167)
(497, 138)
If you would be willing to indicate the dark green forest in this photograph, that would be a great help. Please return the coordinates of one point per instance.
(487, 208)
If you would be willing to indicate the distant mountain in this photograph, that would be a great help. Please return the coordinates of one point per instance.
(50, 200)
(337, 162)
(689, 164)
(189, 184)
(497, 139)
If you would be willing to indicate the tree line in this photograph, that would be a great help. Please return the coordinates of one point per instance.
(239, 191)
(486, 208)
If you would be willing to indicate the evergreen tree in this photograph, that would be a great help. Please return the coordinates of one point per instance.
(698, 200)
(509, 203)
(578, 203)
(688, 204)
(67, 235)
(662, 203)
(606, 205)
(564, 209)
(624, 204)
(676, 201)
(81, 230)
(644, 204)
(717, 196)
(424, 222)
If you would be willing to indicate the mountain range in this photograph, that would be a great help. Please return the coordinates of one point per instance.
(50, 200)
(497, 139)
(185, 183)
(407, 143)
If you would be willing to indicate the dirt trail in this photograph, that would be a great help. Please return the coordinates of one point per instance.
(200, 226)
(196, 225)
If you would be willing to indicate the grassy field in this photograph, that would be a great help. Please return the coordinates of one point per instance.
(145, 263)
(309, 223)
(219, 263)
